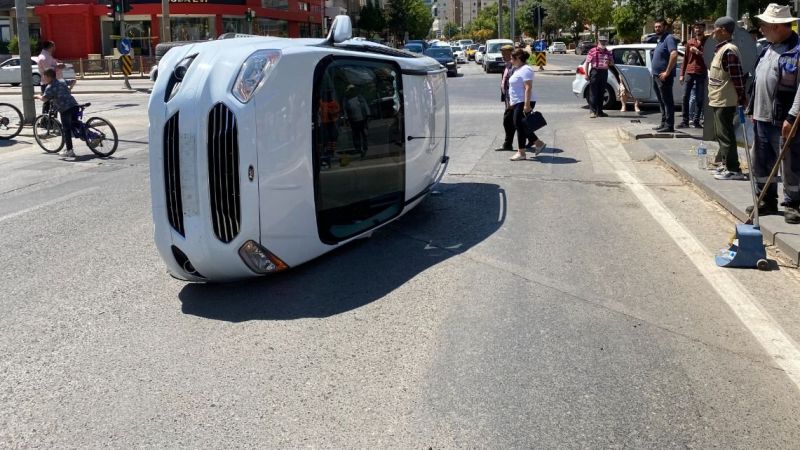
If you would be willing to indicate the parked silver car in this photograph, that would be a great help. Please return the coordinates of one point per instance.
(634, 61)
(11, 73)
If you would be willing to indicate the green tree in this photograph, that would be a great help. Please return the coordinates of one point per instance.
(627, 23)
(594, 12)
(450, 29)
(487, 20)
(13, 45)
(372, 18)
(410, 16)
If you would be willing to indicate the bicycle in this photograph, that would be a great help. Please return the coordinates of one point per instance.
(10, 121)
(98, 133)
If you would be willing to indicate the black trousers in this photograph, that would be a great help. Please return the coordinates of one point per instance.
(665, 100)
(598, 79)
(698, 82)
(67, 122)
(509, 127)
(519, 124)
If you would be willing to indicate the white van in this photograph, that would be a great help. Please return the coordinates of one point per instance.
(492, 59)
(260, 158)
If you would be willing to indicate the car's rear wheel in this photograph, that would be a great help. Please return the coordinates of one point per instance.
(609, 98)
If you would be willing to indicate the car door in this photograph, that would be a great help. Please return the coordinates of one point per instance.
(631, 63)
(10, 72)
(677, 87)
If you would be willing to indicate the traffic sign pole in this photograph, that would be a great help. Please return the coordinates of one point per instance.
(127, 83)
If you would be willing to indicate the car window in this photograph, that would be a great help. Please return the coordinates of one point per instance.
(495, 47)
(629, 56)
(416, 48)
(456, 49)
(358, 146)
(482, 48)
(438, 51)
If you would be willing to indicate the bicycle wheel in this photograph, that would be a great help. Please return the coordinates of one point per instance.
(101, 136)
(10, 121)
(47, 132)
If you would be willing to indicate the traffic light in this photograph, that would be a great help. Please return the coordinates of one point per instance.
(126, 5)
(114, 8)
(537, 15)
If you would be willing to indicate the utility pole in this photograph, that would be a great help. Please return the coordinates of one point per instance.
(733, 9)
(499, 19)
(512, 16)
(166, 32)
(28, 107)
(539, 22)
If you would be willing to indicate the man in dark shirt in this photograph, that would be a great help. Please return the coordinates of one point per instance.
(665, 57)
(694, 76)
(57, 92)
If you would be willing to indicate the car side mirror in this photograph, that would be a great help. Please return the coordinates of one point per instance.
(341, 30)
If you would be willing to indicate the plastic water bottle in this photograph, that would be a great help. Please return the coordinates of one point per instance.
(702, 156)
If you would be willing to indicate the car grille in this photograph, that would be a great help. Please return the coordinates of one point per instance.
(172, 174)
(223, 172)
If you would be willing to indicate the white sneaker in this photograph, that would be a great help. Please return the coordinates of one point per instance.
(539, 147)
(716, 170)
(68, 154)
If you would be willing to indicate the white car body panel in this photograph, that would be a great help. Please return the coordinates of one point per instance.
(275, 135)
(492, 58)
(638, 77)
(11, 71)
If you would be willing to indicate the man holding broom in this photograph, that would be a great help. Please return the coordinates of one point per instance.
(775, 106)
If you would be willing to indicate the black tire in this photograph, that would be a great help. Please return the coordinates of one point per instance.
(609, 98)
(37, 79)
(10, 121)
(15, 84)
(48, 133)
(101, 137)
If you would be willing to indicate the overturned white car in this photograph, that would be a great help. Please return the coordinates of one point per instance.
(268, 152)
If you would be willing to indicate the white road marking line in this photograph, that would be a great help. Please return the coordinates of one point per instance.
(779, 345)
(47, 203)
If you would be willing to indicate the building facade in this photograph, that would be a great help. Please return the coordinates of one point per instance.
(81, 27)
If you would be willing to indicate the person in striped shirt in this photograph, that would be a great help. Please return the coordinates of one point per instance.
(596, 67)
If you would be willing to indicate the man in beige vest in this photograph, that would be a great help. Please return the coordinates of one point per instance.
(725, 92)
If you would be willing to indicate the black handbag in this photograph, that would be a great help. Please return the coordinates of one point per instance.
(534, 121)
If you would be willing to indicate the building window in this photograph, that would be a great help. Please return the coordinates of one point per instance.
(275, 4)
(359, 175)
(233, 25)
(310, 30)
(191, 28)
(271, 27)
(302, 6)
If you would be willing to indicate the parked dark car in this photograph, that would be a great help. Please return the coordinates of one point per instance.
(584, 47)
(445, 57)
(414, 47)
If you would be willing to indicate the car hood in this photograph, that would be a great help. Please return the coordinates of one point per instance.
(443, 60)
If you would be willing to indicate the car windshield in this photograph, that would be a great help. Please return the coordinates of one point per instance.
(416, 48)
(482, 48)
(456, 49)
(439, 52)
(473, 46)
(495, 47)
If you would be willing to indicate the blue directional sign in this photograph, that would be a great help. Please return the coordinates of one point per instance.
(540, 45)
(124, 46)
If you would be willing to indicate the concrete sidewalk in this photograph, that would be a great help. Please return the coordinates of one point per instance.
(678, 151)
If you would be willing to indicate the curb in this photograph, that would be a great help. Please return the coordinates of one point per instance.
(787, 242)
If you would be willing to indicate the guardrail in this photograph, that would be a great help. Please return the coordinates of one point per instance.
(109, 66)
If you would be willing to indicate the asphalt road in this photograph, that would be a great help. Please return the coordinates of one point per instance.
(560, 302)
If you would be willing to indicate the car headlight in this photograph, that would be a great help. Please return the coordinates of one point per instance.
(254, 71)
(259, 259)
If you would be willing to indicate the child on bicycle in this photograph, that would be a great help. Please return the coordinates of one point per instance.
(58, 93)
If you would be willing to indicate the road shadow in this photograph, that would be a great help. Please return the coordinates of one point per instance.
(444, 225)
(547, 157)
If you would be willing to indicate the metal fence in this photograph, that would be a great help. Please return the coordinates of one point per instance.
(109, 66)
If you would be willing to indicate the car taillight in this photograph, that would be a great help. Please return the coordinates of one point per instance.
(580, 71)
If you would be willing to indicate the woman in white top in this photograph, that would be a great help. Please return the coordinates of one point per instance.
(520, 91)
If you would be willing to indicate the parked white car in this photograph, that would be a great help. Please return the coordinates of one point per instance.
(479, 54)
(458, 52)
(492, 59)
(634, 61)
(11, 72)
(557, 47)
(259, 155)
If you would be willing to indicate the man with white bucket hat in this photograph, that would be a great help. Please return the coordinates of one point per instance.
(775, 105)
